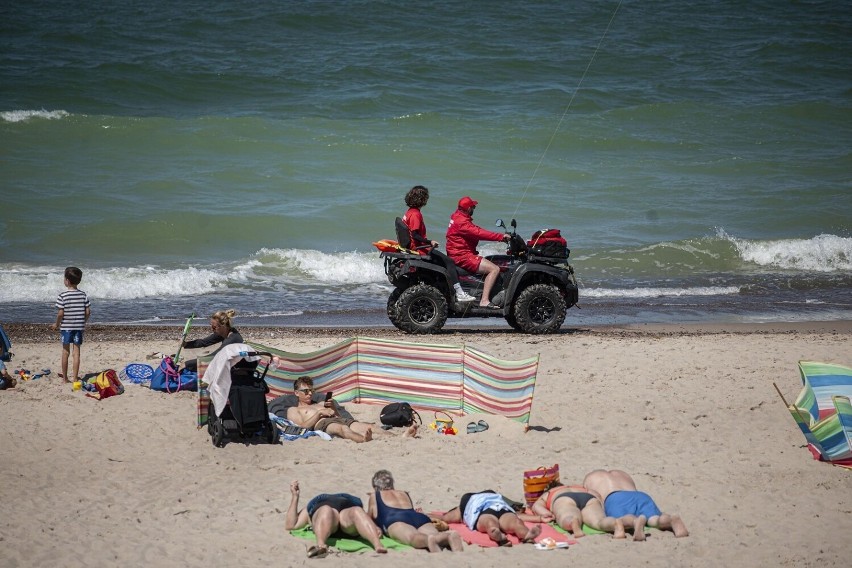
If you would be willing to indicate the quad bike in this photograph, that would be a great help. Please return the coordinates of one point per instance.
(535, 288)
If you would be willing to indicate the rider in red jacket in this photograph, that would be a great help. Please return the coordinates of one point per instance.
(463, 236)
(416, 198)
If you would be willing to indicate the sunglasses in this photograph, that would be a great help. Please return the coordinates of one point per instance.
(306, 391)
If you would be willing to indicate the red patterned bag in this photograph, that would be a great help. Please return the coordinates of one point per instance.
(537, 481)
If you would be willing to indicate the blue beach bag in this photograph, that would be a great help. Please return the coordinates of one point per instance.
(167, 379)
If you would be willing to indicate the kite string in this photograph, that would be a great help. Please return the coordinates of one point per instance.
(565, 112)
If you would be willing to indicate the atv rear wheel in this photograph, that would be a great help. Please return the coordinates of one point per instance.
(393, 308)
(421, 309)
(539, 309)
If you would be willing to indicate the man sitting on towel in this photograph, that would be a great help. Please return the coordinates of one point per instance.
(325, 417)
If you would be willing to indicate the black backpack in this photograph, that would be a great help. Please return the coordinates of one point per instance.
(398, 414)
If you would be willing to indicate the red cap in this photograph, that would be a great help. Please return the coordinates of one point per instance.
(467, 203)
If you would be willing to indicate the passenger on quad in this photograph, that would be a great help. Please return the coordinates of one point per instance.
(463, 236)
(416, 198)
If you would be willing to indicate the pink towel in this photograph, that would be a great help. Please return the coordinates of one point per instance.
(482, 539)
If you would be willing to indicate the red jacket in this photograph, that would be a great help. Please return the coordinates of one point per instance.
(413, 219)
(463, 236)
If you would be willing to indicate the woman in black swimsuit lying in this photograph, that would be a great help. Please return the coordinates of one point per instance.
(329, 514)
(573, 505)
(394, 513)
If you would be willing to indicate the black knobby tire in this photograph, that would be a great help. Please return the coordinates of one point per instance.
(510, 319)
(540, 308)
(393, 307)
(421, 309)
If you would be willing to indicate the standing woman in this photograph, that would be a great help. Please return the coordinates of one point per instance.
(223, 333)
(416, 198)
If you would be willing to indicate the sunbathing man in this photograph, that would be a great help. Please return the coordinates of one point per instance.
(489, 513)
(325, 417)
(394, 512)
(572, 505)
(621, 500)
(329, 514)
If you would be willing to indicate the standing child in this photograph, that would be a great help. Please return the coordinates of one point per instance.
(74, 311)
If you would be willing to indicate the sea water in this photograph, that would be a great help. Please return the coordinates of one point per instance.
(194, 156)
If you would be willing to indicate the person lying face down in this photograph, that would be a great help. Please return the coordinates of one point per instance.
(617, 491)
(572, 505)
(326, 418)
(489, 513)
(394, 513)
(329, 514)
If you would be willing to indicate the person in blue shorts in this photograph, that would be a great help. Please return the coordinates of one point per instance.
(617, 491)
(73, 312)
(394, 513)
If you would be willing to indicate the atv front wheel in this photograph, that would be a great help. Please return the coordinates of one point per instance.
(510, 319)
(421, 309)
(539, 309)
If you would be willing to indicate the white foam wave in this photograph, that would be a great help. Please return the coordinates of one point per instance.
(332, 268)
(24, 115)
(822, 253)
(42, 284)
(659, 292)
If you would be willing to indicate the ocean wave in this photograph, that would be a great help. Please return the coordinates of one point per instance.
(329, 268)
(42, 284)
(822, 253)
(24, 115)
(269, 269)
(656, 292)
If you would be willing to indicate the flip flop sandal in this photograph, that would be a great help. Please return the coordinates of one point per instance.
(317, 552)
(471, 428)
(481, 426)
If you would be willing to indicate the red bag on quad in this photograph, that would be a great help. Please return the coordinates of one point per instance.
(548, 243)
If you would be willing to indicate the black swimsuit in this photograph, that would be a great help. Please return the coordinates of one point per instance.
(581, 499)
(387, 515)
(337, 501)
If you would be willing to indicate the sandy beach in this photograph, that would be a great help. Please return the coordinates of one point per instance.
(689, 411)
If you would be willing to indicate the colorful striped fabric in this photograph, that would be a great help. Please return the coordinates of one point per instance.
(823, 411)
(450, 378)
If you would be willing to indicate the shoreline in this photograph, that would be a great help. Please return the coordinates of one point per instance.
(38, 333)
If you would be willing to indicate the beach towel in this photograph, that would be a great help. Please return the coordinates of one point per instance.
(289, 430)
(350, 543)
(482, 539)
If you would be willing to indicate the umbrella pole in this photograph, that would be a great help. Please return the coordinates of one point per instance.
(796, 408)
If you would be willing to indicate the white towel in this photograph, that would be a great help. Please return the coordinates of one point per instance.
(218, 373)
(478, 503)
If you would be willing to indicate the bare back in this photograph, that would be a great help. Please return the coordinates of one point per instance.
(396, 499)
(605, 482)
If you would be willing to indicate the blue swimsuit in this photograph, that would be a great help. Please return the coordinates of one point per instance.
(386, 515)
